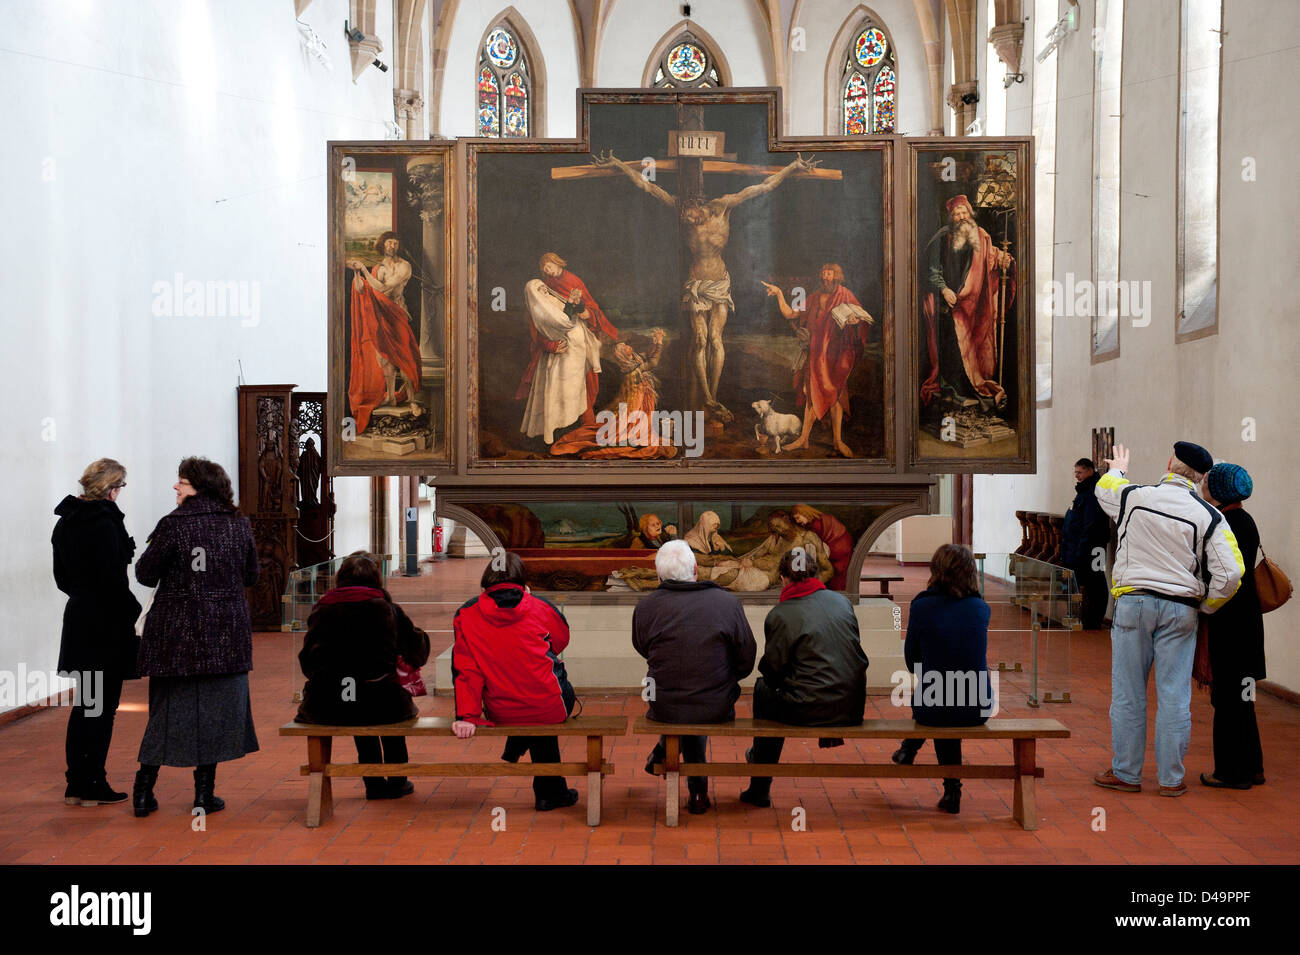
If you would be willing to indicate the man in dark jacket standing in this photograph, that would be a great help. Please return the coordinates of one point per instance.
(814, 672)
(698, 645)
(1086, 529)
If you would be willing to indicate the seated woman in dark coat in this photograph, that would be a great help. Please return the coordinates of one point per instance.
(349, 656)
(948, 641)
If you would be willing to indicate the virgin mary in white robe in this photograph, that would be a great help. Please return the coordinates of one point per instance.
(558, 396)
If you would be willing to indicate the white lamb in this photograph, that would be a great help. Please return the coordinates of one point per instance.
(774, 425)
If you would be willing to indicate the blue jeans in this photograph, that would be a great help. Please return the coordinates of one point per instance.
(1148, 630)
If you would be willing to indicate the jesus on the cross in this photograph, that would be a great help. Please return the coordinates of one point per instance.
(707, 296)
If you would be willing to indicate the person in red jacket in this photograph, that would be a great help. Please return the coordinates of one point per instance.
(506, 670)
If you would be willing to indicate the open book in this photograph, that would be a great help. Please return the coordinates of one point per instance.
(846, 313)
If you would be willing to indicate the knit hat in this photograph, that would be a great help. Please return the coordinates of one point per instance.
(1194, 456)
(1229, 483)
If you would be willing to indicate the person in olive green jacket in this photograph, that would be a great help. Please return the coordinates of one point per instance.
(813, 671)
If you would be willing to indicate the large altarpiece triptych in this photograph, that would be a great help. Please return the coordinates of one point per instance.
(681, 324)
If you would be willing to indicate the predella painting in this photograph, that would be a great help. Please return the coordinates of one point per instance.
(390, 317)
(611, 547)
(972, 306)
(680, 293)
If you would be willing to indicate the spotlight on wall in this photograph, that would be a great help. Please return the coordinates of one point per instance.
(686, 10)
(376, 62)
(1012, 78)
(356, 36)
(970, 99)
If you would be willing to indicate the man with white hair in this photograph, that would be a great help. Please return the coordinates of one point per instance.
(698, 646)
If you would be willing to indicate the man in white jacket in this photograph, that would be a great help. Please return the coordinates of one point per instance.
(1175, 556)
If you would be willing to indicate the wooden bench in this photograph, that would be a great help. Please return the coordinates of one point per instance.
(1022, 733)
(320, 770)
(883, 579)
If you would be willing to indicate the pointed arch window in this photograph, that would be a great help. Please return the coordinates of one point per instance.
(687, 63)
(504, 87)
(869, 83)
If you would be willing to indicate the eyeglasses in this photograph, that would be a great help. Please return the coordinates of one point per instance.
(116, 486)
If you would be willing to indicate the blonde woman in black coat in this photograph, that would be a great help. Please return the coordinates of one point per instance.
(197, 646)
(91, 553)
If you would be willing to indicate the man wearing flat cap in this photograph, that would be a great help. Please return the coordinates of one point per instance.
(1176, 555)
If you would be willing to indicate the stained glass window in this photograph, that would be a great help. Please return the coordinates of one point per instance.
(516, 106)
(489, 97)
(857, 100)
(869, 83)
(688, 64)
(503, 86)
(882, 99)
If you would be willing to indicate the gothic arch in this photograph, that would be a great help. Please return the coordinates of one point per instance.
(839, 51)
(462, 515)
(514, 21)
(670, 38)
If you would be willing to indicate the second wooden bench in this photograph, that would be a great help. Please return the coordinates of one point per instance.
(1023, 767)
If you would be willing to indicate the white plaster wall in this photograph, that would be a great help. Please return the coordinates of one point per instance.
(1157, 392)
(635, 27)
(821, 21)
(145, 139)
(553, 27)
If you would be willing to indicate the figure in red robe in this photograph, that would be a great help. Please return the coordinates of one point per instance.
(961, 309)
(836, 537)
(834, 326)
(574, 291)
(383, 344)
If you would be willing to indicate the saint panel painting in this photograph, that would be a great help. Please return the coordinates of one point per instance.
(390, 319)
(972, 402)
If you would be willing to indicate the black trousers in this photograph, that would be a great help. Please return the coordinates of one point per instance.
(947, 751)
(541, 749)
(1238, 756)
(90, 726)
(1095, 594)
(767, 749)
(381, 749)
(544, 749)
(693, 751)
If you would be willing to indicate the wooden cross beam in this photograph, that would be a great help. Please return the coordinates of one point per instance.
(590, 171)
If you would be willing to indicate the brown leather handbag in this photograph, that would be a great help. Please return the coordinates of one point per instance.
(1273, 585)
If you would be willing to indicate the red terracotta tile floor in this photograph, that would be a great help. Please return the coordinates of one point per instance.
(846, 821)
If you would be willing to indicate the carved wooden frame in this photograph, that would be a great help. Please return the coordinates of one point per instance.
(1025, 461)
(679, 470)
(338, 152)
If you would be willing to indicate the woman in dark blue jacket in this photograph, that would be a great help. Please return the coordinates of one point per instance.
(947, 647)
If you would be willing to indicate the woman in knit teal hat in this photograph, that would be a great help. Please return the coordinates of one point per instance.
(1236, 636)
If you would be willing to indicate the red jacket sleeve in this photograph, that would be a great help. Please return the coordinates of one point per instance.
(557, 628)
(467, 679)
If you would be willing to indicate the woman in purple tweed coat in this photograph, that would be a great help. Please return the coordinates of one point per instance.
(197, 646)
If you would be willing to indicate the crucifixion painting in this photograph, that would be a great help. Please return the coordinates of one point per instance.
(596, 308)
(707, 293)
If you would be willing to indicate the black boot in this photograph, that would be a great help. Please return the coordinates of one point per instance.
(205, 780)
(142, 798)
(100, 793)
(951, 801)
(760, 788)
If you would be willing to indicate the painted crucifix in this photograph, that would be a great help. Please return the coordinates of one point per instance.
(706, 228)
